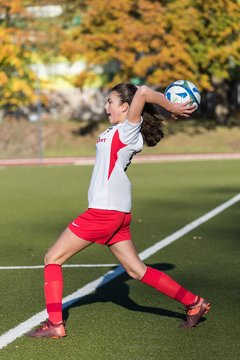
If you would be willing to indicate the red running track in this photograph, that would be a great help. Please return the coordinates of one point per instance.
(137, 159)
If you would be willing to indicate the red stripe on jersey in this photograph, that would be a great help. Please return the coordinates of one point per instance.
(115, 147)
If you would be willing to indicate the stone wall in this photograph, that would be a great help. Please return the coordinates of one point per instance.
(75, 104)
(69, 104)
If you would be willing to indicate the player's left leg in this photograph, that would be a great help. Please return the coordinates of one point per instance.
(126, 254)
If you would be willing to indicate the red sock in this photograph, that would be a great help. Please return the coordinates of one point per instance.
(165, 284)
(53, 288)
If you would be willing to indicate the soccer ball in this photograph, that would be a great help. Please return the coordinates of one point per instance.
(181, 91)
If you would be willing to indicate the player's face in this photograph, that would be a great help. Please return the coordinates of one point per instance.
(116, 111)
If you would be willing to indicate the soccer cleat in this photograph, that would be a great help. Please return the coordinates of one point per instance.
(195, 312)
(49, 330)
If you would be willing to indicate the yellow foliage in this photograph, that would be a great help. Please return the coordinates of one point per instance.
(160, 41)
(155, 41)
(3, 78)
(85, 78)
(16, 6)
(16, 78)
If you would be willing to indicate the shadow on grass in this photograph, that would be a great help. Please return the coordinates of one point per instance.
(117, 292)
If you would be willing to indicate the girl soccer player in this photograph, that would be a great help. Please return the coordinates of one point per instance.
(135, 121)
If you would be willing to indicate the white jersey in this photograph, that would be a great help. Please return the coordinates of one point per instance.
(110, 187)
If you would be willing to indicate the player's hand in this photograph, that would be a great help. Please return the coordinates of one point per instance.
(184, 109)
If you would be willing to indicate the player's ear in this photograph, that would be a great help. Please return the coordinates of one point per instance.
(125, 107)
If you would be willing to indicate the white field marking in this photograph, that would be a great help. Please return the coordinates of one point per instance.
(66, 266)
(27, 325)
(186, 229)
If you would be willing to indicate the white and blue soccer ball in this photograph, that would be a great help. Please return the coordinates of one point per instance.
(181, 91)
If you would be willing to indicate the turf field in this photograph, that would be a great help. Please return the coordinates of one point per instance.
(122, 319)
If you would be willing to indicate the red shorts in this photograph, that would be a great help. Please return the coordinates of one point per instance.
(105, 227)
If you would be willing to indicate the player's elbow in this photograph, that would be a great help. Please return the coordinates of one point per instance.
(142, 91)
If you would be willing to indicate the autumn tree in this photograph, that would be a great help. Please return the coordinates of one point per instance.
(25, 39)
(131, 40)
(16, 78)
(155, 42)
(158, 41)
(215, 47)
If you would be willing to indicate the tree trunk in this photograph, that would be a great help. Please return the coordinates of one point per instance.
(222, 105)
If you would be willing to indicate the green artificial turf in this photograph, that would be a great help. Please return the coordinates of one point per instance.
(125, 320)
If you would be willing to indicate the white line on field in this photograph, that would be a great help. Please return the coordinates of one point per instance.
(27, 325)
(66, 266)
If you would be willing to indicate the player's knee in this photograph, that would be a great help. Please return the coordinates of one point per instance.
(142, 89)
(49, 259)
(46, 259)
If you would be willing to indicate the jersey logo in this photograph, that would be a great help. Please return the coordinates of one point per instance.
(101, 140)
(115, 147)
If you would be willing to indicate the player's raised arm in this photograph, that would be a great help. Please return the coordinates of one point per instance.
(145, 95)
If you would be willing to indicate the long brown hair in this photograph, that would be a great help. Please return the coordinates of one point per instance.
(153, 122)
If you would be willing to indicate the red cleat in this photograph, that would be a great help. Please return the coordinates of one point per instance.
(49, 330)
(195, 312)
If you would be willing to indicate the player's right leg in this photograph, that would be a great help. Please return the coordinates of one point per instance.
(66, 246)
